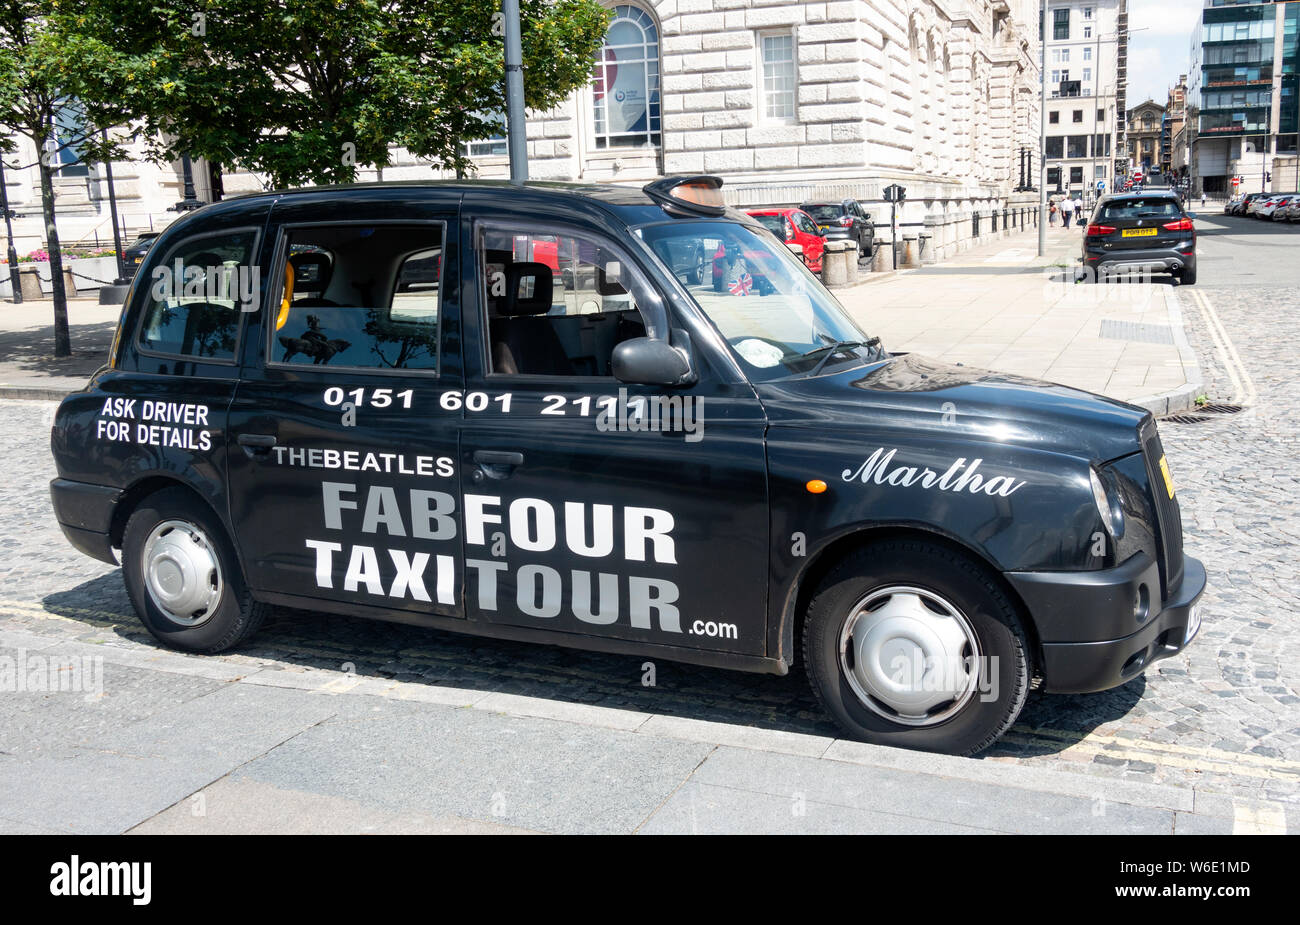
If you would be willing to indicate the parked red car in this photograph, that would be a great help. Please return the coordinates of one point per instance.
(795, 226)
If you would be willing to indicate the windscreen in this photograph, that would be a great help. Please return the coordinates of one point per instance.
(778, 318)
(1144, 207)
(823, 213)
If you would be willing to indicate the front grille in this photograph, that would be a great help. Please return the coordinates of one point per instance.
(1169, 535)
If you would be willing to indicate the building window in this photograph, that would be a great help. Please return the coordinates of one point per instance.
(1078, 115)
(1054, 178)
(1076, 146)
(492, 146)
(1087, 12)
(1054, 117)
(1087, 74)
(625, 90)
(1056, 56)
(1099, 172)
(1060, 24)
(1087, 32)
(1054, 146)
(1101, 115)
(1087, 54)
(1076, 175)
(1056, 76)
(778, 76)
(1065, 56)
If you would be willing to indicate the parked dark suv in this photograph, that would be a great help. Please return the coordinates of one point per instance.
(1148, 230)
(504, 411)
(133, 253)
(844, 219)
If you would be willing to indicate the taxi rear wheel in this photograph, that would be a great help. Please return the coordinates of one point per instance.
(183, 577)
(911, 644)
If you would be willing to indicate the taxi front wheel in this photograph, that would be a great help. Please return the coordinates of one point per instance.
(911, 644)
(183, 577)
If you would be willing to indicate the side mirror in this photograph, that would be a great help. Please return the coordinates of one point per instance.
(867, 216)
(646, 361)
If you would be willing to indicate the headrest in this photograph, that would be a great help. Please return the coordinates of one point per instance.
(539, 302)
(311, 272)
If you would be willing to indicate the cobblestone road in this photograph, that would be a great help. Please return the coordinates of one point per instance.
(1224, 716)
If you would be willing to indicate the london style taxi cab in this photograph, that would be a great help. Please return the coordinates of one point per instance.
(522, 411)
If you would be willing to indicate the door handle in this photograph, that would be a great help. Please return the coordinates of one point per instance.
(498, 458)
(256, 442)
(494, 464)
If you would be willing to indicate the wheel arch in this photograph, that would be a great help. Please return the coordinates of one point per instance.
(147, 486)
(826, 558)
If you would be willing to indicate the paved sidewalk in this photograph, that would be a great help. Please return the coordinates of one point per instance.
(28, 368)
(185, 744)
(1002, 307)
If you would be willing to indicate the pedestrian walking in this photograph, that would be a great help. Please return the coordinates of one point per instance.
(1051, 214)
(1202, 199)
(1067, 211)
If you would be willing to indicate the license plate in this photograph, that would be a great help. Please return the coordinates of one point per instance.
(1138, 233)
(1169, 479)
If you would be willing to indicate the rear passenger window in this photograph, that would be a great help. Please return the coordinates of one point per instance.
(556, 305)
(195, 295)
(360, 296)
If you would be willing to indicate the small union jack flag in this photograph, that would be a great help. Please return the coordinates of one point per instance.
(742, 284)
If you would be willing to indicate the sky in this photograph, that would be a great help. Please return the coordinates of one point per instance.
(1162, 51)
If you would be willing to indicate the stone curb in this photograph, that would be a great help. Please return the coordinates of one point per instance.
(35, 393)
(1183, 398)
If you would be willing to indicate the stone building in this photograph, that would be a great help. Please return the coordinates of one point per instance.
(787, 101)
(1144, 122)
(1087, 51)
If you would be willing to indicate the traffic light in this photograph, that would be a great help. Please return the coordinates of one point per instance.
(1268, 177)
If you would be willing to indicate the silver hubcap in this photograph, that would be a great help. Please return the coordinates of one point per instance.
(910, 655)
(181, 572)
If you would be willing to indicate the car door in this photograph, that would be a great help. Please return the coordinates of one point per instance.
(810, 238)
(343, 479)
(577, 518)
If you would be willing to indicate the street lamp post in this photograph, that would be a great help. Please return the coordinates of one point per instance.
(1042, 130)
(15, 283)
(112, 208)
(191, 200)
(516, 129)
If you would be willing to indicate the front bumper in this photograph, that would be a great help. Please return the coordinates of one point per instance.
(85, 514)
(1069, 609)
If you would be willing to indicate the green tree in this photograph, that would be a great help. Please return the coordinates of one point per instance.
(312, 90)
(42, 74)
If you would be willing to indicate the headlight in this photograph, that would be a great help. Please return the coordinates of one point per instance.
(1110, 517)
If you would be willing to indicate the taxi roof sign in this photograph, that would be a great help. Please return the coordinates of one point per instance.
(691, 195)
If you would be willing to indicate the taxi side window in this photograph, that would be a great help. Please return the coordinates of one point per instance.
(557, 305)
(360, 297)
(195, 296)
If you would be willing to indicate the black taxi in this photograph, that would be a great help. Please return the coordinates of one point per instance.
(509, 410)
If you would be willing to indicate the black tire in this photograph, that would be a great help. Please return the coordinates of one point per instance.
(234, 616)
(695, 275)
(962, 581)
(1187, 277)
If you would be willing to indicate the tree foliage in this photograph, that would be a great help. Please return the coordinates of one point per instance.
(310, 90)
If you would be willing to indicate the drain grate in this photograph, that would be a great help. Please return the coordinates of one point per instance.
(1139, 331)
(1204, 413)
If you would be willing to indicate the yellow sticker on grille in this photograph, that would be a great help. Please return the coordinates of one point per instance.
(1169, 479)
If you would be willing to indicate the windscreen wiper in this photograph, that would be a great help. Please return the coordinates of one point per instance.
(838, 346)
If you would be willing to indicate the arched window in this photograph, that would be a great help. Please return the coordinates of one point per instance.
(625, 91)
